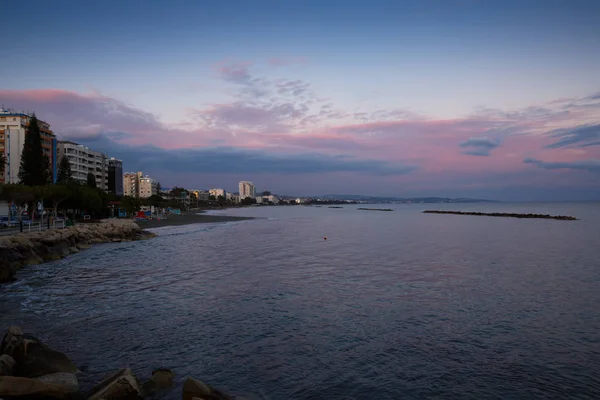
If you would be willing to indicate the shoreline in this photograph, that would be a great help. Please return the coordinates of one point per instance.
(188, 218)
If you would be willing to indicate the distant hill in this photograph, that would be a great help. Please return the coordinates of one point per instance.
(377, 199)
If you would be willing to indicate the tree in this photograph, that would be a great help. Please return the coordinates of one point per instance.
(64, 171)
(91, 180)
(266, 193)
(130, 204)
(56, 194)
(221, 200)
(19, 195)
(248, 200)
(178, 192)
(212, 198)
(2, 163)
(158, 188)
(34, 168)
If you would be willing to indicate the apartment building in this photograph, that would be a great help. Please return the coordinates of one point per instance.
(217, 192)
(84, 160)
(13, 128)
(247, 189)
(135, 184)
(115, 176)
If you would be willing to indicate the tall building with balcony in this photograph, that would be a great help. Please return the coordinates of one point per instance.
(13, 129)
(135, 184)
(115, 176)
(247, 189)
(131, 184)
(147, 187)
(83, 161)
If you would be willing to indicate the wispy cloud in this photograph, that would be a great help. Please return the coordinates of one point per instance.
(581, 136)
(479, 146)
(587, 165)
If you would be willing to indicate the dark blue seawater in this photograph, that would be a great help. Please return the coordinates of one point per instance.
(393, 305)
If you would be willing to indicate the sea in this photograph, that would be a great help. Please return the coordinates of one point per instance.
(391, 305)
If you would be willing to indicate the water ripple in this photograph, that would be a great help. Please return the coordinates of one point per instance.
(390, 306)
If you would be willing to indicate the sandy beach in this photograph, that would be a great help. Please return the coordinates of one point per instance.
(191, 217)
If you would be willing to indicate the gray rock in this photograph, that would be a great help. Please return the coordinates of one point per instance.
(195, 389)
(7, 365)
(122, 385)
(61, 378)
(36, 359)
(12, 386)
(12, 341)
(161, 379)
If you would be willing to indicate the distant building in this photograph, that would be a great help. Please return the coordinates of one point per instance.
(259, 199)
(247, 189)
(13, 128)
(136, 184)
(84, 160)
(217, 192)
(115, 176)
(147, 187)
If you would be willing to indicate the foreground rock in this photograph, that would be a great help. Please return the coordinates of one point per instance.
(29, 248)
(32, 370)
(195, 389)
(122, 385)
(161, 379)
(13, 386)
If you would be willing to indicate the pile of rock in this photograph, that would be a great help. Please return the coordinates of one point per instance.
(30, 248)
(30, 369)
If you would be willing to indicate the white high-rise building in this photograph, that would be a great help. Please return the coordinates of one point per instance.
(13, 129)
(247, 189)
(83, 161)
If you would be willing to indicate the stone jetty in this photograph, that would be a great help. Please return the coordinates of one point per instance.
(509, 215)
(30, 248)
(375, 209)
(29, 369)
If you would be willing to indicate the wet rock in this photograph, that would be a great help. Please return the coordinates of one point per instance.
(7, 365)
(73, 250)
(12, 386)
(62, 379)
(161, 379)
(36, 359)
(123, 385)
(12, 341)
(195, 389)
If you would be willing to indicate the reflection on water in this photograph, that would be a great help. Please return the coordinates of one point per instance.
(392, 305)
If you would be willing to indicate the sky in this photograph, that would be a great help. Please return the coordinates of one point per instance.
(454, 98)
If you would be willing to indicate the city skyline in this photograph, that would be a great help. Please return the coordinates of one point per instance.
(457, 98)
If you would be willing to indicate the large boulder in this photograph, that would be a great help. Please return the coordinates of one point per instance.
(12, 341)
(7, 365)
(195, 389)
(161, 379)
(62, 379)
(12, 386)
(123, 385)
(36, 359)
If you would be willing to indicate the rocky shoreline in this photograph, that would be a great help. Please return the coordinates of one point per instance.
(29, 369)
(509, 215)
(31, 248)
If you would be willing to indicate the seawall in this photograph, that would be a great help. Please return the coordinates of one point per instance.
(31, 248)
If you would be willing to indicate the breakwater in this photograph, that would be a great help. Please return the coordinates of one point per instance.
(508, 215)
(31, 248)
(31, 369)
(375, 209)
